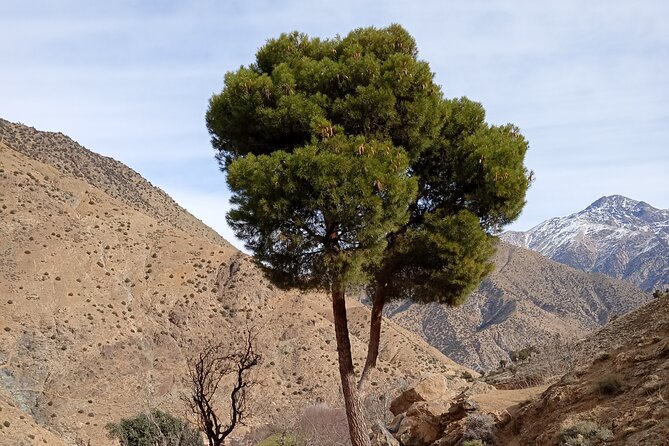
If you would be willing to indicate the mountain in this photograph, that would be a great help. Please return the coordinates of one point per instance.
(110, 176)
(615, 235)
(107, 286)
(528, 300)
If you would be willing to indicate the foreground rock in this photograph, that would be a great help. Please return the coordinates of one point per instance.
(434, 413)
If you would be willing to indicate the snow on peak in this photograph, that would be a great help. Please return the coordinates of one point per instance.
(607, 237)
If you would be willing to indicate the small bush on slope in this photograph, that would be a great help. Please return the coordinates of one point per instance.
(155, 428)
(585, 433)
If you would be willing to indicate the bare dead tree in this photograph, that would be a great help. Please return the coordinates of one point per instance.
(212, 368)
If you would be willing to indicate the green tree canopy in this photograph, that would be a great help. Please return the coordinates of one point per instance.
(471, 182)
(300, 90)
(322, 212)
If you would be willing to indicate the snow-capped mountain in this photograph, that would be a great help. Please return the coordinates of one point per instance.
(615, 235)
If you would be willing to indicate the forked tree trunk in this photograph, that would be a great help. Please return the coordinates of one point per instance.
(374, 336)
(354, 411)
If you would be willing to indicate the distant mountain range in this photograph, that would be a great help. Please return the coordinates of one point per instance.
(528, 300)
(615, 235)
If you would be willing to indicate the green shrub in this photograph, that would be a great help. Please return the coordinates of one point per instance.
(156, 428)
(584, 433)
(523, 354)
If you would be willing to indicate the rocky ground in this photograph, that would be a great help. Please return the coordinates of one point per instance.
(619, 397)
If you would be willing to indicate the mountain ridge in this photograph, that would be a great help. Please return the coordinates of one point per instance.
(615, 235)
(106, 173)
(527, 300)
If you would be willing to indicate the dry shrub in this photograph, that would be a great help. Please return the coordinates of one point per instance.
(480, 427)
(610, 385)
(584, 433)
(555, 358)
(321, 425)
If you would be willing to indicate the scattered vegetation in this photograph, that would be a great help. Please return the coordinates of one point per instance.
(480, 428)
(321, 425)
(317, 425)
(657, 294)
(279, 439)
(522, 354)
(207, 371)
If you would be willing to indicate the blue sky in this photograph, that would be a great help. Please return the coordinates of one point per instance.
(586, 81)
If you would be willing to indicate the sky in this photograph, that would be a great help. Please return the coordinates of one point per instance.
(586, 81)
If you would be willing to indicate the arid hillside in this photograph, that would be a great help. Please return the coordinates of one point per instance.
(528, 300)
(106, 290)
(615, 393)
(112, 177)
(618, 396)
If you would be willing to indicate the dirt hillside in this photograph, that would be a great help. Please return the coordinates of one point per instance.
(619, 397)
(528, 300)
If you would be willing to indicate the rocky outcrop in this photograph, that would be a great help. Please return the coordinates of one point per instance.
(431, 389)
(618, 398)
(431, 413)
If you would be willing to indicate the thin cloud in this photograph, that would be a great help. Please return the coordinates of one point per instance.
(585, 81)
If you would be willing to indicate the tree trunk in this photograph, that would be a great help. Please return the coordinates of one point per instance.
(357, 426)
(374, 335)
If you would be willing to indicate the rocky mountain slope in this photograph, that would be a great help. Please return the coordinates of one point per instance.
(618, 397)
(615, 235)
(112, 177)
(615, 394)
(528, 300)
(106, 287)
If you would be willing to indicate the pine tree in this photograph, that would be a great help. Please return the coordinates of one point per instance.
(347, 167)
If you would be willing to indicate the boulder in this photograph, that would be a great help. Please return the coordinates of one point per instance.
(434, 387)
(420, 426)
(382, 437)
